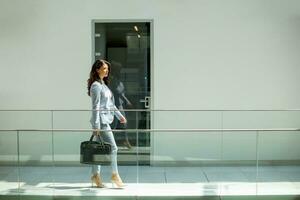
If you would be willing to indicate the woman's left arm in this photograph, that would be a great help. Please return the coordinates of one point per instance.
(120, 116)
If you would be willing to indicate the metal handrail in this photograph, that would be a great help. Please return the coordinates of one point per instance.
(134, 110)
(153, 130)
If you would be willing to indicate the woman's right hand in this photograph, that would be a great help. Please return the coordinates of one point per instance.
(96, 133)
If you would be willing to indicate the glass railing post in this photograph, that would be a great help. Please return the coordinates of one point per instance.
(52, 146)
(222, 136)
(18, 156)
(256, 157)
(137, 145)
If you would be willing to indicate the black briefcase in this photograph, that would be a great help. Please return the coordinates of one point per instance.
(93, 152)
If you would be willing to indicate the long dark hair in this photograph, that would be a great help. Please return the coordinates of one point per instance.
(94, 75)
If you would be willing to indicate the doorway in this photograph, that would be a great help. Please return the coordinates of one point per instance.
(127, 46)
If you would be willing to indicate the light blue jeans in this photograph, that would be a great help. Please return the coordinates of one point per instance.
(107, 136)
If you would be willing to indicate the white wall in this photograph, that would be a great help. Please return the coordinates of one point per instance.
(208, 54)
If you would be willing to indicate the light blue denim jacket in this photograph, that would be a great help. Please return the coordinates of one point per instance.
(103, 105)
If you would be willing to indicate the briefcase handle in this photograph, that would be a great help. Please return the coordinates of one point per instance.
(100, 138)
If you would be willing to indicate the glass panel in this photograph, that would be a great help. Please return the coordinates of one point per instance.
(9, 174)
(36, 169)
(239, 151)
(276, 151)
(185, 162)
(128, 166)
(70, 177)
(237, 171)
(279, 166)
(33, 174)
(181, 161)
(183, 167)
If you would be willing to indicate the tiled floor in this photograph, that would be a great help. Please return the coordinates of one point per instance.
(153, 181)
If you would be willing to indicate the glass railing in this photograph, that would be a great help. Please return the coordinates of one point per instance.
(171, 153)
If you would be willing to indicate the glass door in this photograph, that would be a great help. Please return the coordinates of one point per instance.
(127, 46)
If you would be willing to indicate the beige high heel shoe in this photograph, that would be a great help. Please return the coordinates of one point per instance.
(96, 178)
(116, 181)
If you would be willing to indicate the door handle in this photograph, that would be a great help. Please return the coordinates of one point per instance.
(146, 101)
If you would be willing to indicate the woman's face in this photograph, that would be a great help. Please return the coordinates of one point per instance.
(103, 71)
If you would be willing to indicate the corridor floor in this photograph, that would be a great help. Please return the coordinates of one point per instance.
(152, 181)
